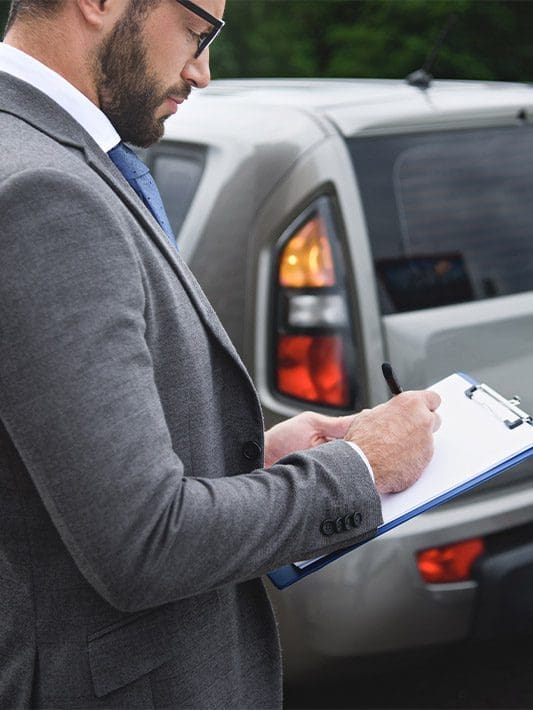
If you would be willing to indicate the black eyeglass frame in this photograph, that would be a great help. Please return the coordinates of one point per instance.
(209, 37)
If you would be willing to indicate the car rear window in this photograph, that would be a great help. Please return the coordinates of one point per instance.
(177, 171)
(449, 214)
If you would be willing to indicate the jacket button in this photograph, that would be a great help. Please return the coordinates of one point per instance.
(251, 450)
(339, 525)
(357, 519)
(327, 527)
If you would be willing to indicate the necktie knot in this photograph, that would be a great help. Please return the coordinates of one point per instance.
(129, 164)
(139, 177)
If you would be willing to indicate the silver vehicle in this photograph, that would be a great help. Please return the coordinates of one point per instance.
(336, 224)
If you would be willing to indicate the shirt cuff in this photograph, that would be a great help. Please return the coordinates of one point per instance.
(365, 460)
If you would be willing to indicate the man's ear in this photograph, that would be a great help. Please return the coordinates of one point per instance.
(100, 14)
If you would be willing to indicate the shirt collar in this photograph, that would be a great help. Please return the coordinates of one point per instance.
(20, 65)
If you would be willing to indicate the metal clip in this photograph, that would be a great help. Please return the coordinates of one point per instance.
(509, 406)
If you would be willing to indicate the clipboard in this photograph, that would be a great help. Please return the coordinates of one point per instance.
(482, 434)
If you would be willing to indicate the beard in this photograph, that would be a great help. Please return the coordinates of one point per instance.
(128, 92)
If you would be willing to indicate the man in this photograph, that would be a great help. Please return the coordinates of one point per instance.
(137, 511)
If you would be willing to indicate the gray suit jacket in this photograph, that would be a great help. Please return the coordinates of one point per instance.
(133, 523)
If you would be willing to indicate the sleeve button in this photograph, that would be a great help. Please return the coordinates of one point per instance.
(327, 527)
(251, 450)
(357, 519)
(348, 522)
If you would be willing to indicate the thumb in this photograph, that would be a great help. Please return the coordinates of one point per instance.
(334, 427)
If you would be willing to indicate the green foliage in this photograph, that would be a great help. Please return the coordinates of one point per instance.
(4, 9)
(375, 38)
(372, 38)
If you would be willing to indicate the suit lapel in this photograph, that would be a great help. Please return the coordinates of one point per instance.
(106, 169)
(32, 106)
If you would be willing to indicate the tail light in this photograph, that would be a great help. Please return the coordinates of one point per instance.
(450, 563)
(313, 348)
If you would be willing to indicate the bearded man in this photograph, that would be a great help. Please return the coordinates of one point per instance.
(140, 500)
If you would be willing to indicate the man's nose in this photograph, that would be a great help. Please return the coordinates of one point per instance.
(196, 72)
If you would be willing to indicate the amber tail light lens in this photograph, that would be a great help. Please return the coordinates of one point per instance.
(306, 259)
(449, 563)
(313, 350)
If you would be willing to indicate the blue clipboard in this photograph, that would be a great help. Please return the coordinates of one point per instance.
(510, 416)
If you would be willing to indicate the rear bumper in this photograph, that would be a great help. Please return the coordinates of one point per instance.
(504, 604)
(373, 600)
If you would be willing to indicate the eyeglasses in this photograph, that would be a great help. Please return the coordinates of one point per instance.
(205, 39)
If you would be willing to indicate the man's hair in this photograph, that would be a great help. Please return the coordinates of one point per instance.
(27, 9)
(41, 9)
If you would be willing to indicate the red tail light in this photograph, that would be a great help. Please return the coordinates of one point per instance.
(450, 563)
(313, 368)
(313, 351)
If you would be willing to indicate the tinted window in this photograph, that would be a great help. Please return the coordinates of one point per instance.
(450, 214)
(177, 171)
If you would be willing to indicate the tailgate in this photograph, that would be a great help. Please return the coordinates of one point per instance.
(489, 340)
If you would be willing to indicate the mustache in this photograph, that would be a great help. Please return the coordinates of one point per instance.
(179, 91)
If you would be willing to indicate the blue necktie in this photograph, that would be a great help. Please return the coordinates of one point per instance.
(139, 177)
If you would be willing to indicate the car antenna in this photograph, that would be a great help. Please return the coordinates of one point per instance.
(422, 78)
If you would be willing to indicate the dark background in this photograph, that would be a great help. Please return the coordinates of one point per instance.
(472, 675)
(489, 39)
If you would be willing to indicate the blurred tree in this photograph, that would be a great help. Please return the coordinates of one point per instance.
(375, 38)
(4, 8)
(372, 38)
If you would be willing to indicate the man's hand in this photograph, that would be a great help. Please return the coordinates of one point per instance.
(303, 432)
(397, 438)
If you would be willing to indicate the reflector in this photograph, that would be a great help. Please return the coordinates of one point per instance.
(450, 563)
(306, 260)
(322, 311)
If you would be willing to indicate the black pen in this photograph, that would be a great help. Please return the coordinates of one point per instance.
(390, 378)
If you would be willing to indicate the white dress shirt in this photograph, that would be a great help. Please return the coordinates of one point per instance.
(88, 115)
(20, 65)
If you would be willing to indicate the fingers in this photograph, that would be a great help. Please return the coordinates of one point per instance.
(397, 438)
(432, 400)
